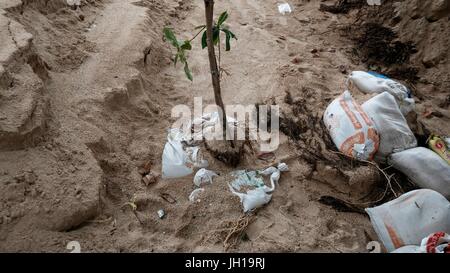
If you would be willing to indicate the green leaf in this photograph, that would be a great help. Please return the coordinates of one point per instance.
(187, 71)
(227, 41)
(170, 36)
(186, 45)
(182, 56)
(226, 30)
(216, 32)
(200, 27)
(228, 35)
(204, 40)
(222, 18)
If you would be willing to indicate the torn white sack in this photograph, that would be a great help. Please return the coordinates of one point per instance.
(260, 195)
(204, 176)
(178, 161)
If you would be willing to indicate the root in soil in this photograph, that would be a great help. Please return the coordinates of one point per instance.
(223, 152)
(231, 232)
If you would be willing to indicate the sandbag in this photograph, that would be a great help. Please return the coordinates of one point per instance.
(425, 168)
(351, 129)
(410, 218)
(370, 82)
(395, 134)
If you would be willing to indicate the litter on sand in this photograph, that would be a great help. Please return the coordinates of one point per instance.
(439, 146)
(351, 129)
(247, 179)
(410, 218)
(204, 176)
(178, 160)
(260, 194)
(161, 214)
(284, 8)
(195, 195)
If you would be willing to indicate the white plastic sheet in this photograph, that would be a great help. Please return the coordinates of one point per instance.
(177, 160)
(284, 8)
(204, 176)
(261, 195)
(195, 195)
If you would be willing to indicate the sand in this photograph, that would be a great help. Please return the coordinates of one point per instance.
(86, 99)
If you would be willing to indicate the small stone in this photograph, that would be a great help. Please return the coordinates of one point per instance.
(314, 51)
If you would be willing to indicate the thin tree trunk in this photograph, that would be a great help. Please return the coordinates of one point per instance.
(209, 13)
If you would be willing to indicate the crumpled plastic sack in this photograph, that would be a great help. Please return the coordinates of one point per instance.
(178, 160)
(371, 82)
(204, 176)
(423, 167)
(260, 196)
(438, 242)
(351, 129)
(204, 126)
(410, 218)
(395, 134)
(284, 8)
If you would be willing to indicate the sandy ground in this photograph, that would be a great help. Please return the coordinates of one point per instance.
(97, 88)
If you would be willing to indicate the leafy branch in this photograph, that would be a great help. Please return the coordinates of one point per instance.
(182, 47)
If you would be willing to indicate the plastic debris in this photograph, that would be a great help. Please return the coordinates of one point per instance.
(204, 176)
(284, 8)
(439, 146)
(178, 161)
(410, 218)
(351, 129)
(261, 194)
(253, 198)
(161, 214)
(247, 179)
(195, 195)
